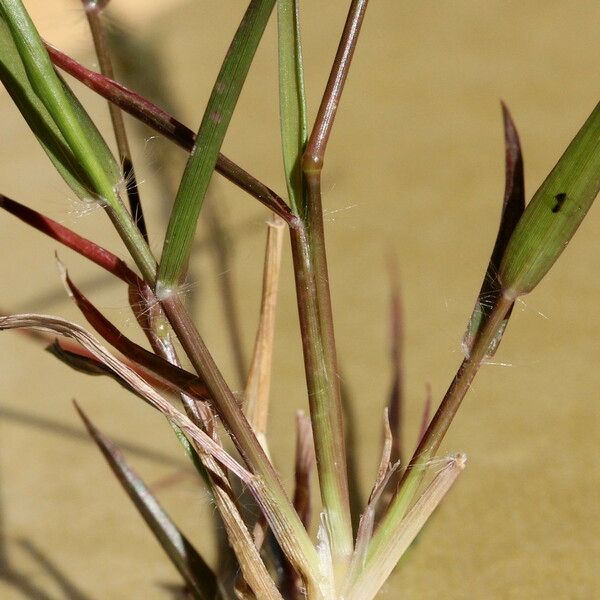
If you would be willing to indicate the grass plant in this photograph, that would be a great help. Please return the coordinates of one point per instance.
(275, 554)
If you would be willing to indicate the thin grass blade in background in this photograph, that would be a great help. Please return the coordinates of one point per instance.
(305, 462)
(203, 158)
(352, 435)
(554, 213)
(291, 585)
(396, 398)
(198, 576)
(93, 11)
(426, 416)
(512, 209)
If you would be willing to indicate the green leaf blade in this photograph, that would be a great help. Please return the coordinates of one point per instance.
(203, 157)
(80, 134)
(555, 212)
(62, 126)
(292, 100)
(14, 78)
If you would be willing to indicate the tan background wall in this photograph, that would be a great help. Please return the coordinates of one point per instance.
(415, 165)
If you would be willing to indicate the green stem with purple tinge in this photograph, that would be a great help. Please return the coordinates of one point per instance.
(316, 318)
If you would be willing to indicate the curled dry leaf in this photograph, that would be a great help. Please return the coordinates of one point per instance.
(74, 331)
(386, 456)
(254, 571)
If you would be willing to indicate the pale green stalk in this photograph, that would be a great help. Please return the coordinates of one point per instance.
(286, 525)
(373, 576)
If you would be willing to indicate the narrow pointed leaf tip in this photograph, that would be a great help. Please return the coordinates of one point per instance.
(555, 212)
(512, 209)
(97, 254)
(203, 158)
(395, 402)
(95, 5)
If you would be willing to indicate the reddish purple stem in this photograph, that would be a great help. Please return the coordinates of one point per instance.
(102, 257)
